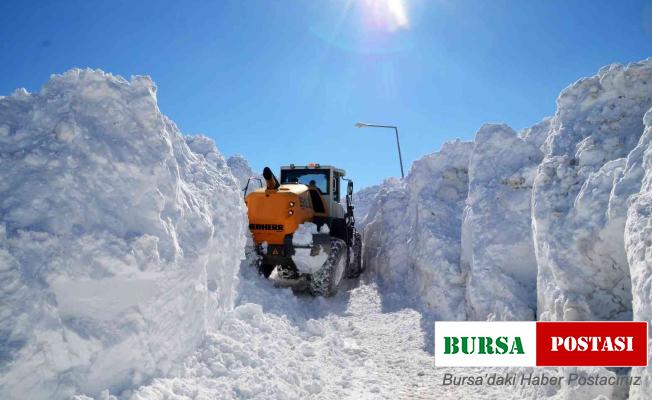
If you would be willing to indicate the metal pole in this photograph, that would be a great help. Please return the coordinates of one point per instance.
(398, 144)
(400, 159)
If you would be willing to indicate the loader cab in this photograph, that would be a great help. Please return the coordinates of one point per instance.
(324, 178)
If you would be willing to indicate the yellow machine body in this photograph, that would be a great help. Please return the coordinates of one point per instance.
(275, 213)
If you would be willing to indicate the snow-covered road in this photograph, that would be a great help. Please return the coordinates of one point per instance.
(282, 346)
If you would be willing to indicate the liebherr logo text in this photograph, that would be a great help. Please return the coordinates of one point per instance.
(266, 227)
(555, 344)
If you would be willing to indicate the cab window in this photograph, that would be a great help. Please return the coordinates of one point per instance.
(308, 177)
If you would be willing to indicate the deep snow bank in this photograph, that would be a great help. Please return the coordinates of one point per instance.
(119, 242)
(413, 231)
(237, 164)
(578, 224)
(498, 253)
(242, 171)
(638, 240)
(362, 202)
(561, 190)
(456, 233)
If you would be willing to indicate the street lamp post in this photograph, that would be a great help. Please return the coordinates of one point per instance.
(398, 144)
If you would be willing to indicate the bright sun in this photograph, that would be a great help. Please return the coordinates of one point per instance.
(390, 14)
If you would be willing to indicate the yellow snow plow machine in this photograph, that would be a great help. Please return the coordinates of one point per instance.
(301, 230)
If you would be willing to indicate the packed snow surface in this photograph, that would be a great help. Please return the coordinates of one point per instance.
(119, 239)
(277, 345)
(363, 343)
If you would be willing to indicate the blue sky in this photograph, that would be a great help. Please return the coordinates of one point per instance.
(285, 81)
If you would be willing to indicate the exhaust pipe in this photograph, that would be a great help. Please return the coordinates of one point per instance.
(270, 179)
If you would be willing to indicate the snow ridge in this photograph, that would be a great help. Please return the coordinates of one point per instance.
(583, 271)
(556, 220)
(362, 201)
(413, 231)
(498, 252)
(242, 171)
(638, 231)
(119, 240)
(544, 211)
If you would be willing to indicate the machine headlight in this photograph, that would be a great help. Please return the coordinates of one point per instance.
(292, 204)
(290, 212)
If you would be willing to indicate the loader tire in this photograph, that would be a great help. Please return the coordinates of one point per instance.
(354, 265)
(326, 281)
(266, 270)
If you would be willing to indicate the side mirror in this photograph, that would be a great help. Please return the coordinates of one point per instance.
(349, 188)
(246, 188)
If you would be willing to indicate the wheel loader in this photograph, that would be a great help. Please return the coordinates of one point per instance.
(305, 205)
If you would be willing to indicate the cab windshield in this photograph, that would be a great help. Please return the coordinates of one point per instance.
(308, 177)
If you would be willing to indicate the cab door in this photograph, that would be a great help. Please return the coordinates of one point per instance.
(335, 196)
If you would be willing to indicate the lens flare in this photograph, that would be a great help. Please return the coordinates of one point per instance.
(389, 14)
(373, 27)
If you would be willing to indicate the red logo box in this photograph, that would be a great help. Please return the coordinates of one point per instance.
(592, 344)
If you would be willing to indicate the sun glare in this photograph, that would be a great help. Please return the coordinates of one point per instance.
(390, 14)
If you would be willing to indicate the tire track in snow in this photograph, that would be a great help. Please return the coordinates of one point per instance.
(278, 345)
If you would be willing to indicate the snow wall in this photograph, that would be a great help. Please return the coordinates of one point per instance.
(242, 172)
(362, 201)
(412, 233)
(120, 239)
(553, 223)
(637, 178)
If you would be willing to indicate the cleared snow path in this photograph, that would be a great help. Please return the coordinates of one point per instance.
(281, 346)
